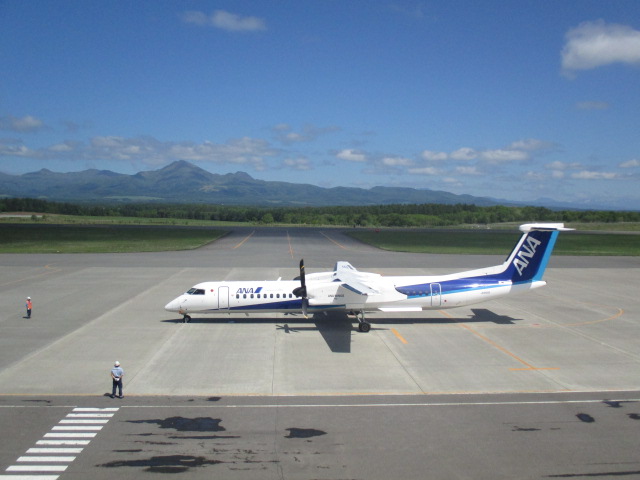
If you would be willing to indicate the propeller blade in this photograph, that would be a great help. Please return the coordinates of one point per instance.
(301, 291)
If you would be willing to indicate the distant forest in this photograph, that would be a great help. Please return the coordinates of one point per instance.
(427, 215)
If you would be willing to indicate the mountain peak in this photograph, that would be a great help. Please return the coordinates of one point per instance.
(180, 165)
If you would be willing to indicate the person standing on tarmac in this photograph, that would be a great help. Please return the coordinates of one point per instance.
(29, 306)
(116, 375)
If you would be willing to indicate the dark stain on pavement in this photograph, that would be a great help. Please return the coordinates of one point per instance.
(182, 424)
(304, 432)
(585, 417)
(164, 463)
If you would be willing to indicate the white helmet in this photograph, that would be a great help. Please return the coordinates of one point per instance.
(117, 364)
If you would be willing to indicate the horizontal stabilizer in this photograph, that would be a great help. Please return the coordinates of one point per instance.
(527, 227)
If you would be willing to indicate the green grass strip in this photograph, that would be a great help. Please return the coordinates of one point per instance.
(103, 239)
(495, 242)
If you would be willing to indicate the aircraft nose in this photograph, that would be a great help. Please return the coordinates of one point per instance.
(173, 305)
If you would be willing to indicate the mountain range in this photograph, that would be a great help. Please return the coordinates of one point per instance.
(183, 182)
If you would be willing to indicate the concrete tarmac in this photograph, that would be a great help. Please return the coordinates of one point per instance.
(574, 340)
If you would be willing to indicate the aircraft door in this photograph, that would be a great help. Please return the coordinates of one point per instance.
(223, 298)
(436, 298)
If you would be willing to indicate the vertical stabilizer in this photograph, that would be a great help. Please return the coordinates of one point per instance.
(528, 260)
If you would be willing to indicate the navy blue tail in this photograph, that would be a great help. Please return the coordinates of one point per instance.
(528, 260)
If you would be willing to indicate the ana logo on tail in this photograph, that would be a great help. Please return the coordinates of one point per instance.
(528, 250)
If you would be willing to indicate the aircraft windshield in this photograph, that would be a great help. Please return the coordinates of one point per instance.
(195, 291)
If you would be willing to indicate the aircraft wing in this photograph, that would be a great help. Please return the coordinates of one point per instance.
(352, 279)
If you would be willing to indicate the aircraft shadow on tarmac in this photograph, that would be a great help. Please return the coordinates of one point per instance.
(337, 328)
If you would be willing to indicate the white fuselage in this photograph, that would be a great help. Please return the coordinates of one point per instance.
(420, 293)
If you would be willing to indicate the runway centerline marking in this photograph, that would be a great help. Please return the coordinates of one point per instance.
(49, 270)
(243, 240)
(333, 241)
(290, 246)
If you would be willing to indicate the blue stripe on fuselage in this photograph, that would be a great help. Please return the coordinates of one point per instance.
(454, 286)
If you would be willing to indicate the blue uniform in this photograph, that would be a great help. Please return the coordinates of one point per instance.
(116, 374)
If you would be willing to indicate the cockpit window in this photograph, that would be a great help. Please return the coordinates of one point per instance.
(195, 291)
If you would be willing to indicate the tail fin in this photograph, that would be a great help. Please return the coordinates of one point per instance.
(528, 260)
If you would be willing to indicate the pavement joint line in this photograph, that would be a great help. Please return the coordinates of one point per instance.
(528, 366)
(399, 404)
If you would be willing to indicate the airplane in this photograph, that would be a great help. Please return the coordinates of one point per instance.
(356, 293)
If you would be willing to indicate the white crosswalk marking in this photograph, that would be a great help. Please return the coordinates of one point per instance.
(46, 459)
(37, 468)
(77, 428)
(70, 435)
(63, 442)
(55, 450)
(83, 421)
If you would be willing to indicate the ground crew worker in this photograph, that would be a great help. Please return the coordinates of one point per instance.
(29, 307)
(116, 375)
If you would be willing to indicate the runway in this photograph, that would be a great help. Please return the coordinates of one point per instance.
(410, 395)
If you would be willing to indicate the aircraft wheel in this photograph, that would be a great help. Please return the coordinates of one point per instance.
(186, 319)
(364, 327)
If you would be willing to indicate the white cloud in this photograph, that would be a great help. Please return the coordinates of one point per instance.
(467, 170)
(558, 165)
(351, 155)
(535, 176)
(504, 156)
(15, 148)
(397, 161)
(24, 124)
(151, 151)
(595, 44)
(430, 156)
(464, 154)
(591, 175)
(530, 145)
(224, 20)
(630, 164)
(297, 163)
(62, 147)
(424, 171)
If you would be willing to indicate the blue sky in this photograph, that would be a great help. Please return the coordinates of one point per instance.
(511, 99)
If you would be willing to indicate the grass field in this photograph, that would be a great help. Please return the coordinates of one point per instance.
(36, 238)
(496, 242)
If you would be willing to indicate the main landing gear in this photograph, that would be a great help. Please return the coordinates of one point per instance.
(363, 325)
(186, 319)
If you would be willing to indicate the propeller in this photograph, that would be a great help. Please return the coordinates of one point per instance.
(301, 291)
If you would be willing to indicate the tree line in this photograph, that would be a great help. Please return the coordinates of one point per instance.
(423, 215)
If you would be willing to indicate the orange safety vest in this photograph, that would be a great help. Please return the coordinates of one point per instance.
(29, 304)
